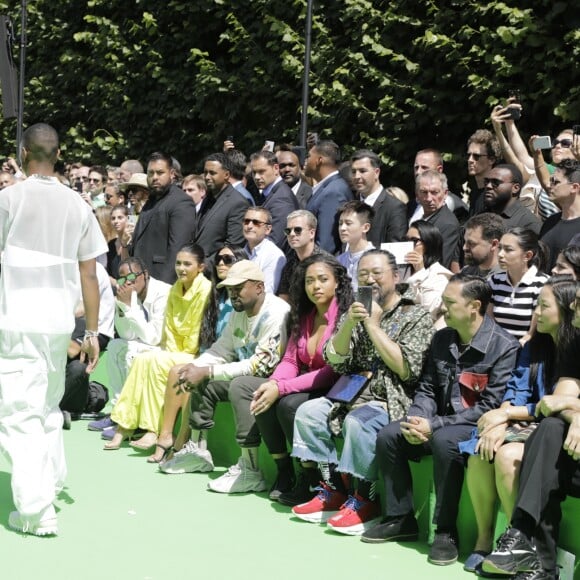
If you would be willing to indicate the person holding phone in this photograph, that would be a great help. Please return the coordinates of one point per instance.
(391, 341)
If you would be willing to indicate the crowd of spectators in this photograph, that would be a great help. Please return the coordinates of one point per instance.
(322, 308)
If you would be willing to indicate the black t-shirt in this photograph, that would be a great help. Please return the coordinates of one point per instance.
(556, 234)
(570, 365)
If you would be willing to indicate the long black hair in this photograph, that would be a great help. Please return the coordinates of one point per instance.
(432, 241)
(543, 349)
(239, 254)
(300, 304)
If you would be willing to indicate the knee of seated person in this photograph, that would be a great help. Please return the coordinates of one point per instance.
(509, 456)
(309, 408)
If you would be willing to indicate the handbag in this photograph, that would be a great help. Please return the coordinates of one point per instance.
(471, 386)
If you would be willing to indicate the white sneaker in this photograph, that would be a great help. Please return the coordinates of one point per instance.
(190, 459)
(239, 478)
(45, 524)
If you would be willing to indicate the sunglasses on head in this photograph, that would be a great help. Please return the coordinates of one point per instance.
(226, 259)
(298, 230)
(130, 277)
(566, 143)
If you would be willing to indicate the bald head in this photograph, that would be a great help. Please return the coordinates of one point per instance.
(41, 143)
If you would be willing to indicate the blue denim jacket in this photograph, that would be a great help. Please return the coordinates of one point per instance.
(492, 352)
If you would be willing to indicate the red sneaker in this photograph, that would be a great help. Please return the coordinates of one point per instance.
(355, 516)
(322, 507)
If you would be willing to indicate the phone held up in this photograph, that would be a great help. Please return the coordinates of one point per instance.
(364, 295)
(543, 142)
(515, 112)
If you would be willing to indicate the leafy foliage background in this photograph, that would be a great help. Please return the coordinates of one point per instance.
(121, 78)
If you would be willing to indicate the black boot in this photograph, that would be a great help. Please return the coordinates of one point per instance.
(285, 480)
(305, 489)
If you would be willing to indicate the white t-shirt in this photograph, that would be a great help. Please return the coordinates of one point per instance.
(45, 230)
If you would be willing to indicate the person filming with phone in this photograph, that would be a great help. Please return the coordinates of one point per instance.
(379, 348)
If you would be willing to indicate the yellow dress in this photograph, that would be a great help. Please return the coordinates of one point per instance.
(141, 400)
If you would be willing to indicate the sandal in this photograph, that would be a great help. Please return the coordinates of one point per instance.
(166, 451)
(145, 443)
(118, 438)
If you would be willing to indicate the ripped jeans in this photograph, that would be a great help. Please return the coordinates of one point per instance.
(313, 440)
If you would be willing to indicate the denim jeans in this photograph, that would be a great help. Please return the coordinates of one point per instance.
(313, 440)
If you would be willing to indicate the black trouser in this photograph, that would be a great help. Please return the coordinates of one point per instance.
(394, 453)
(547, 475)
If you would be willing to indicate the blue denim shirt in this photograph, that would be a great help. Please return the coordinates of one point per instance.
(492, 352)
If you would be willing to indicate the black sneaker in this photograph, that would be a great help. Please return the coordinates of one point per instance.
(66, 420)
(393, 529)
(302, 492)
(285, 482)
(444, 550)
(514, 553)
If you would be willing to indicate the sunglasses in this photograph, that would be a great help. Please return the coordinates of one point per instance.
(566, 143)
(226, 259)
(476, 156)
(495, 183)
(298, 230)
(130, 277)
(257, 223)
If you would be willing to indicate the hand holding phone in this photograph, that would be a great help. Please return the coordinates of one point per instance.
(364, 295)
(543, 142)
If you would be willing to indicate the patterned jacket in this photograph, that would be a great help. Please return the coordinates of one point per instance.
(408, 324)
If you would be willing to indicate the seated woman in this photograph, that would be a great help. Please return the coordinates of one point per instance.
(568, 263)
(429, 277)
(498, 445)
(175, 399)
(188, 323)
(320, 293)
(515, 291)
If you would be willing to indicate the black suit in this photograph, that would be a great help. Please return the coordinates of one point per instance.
(220, 220)
(165, 225)
(280, 202)
(390, 221)
(303, 194)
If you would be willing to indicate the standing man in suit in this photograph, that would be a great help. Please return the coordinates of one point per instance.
(277, 197)
(330, 192)
(166, 222)
(291, 173)
(390, 221)
(222, 212)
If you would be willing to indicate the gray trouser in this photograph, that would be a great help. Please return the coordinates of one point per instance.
(205, 398)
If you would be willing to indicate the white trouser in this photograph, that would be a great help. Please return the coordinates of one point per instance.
(32, 370)
(120, 355)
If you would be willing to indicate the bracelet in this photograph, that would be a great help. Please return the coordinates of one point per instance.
(91, 334)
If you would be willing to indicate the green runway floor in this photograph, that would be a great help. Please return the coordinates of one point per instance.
(120, 519)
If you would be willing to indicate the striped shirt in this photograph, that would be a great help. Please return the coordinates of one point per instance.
(513, 306)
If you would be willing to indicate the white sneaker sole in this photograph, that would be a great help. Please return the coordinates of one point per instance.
(316, 517)
(257, 488)
(194, 465)
(355, 530)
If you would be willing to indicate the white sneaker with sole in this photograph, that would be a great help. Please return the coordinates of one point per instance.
(190, 459)
(239, 478)
(45, 524)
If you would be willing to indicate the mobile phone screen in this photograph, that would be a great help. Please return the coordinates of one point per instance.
(364, 295)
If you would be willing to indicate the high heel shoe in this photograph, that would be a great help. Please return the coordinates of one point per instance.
(155, 458)
(118, 438)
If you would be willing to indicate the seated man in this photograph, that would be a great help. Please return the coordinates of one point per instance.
(252, 343)
(76, 385)
(139, 314)
(467, 369)
(550, 470)
(392, 341)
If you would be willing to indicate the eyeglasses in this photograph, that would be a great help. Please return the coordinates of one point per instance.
(414, 240)
(226, 259)
(376, 275)
(257, 223)
(565, 143)
(495, 183)
(298, 230)
(130, 277)
(476, 156)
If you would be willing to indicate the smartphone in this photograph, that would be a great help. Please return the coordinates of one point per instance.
(230, 138)
(132, 219)
(543, 142)
(269, 146)
(364, 295)
(78, 186)
(515, 112)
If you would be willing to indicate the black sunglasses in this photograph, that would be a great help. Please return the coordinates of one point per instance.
(298, 230)
(248, 221)
(566, 143)
(130, 277)
(476, 156)
(495, 183)
(227, 259)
